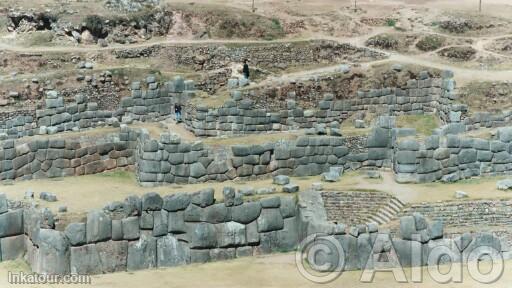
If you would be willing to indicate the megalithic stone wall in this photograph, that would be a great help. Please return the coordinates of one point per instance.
(50, 158)
(148, 102)
(171, 160)
(151, 231)
(154, 231)
(242, 115)
(450, 158)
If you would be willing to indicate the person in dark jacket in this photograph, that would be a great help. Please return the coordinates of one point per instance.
(177, 112)
(245, 70)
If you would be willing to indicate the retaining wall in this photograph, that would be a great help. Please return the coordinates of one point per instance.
(151, 231)
(241, 115)
(466, 213)
(452, 157)
(50, 158)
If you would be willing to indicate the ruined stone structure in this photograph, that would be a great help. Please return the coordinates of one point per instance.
(178, 229)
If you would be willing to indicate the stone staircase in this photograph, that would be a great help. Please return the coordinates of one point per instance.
(388, 212)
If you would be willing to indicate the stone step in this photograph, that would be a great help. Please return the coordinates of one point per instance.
(378, 219)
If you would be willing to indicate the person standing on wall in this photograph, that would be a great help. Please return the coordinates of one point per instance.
(245, 70)
(177, 112)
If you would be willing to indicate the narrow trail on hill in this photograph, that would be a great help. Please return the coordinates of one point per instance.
(462, 75)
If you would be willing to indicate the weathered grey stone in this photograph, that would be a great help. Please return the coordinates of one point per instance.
(420, 223)
(246, 213)
(245, 251)
(152, 201)
(171, 252)
(204, 197)
(176, 202)
(221, 254)
(463, 241)
(461, 194)
(467, 156)
(230, 234)
(407, 227)
(229, 196)
(117, 230)
(54, 255)
(146, 220)
(504, 184)
(142, 253)
(330, 177)
(199, 256)
(133, 206)
(160, 225)
(505, 134)
(11, 223)
(436, 229)
(176, 223)
(99, 227)
(3, 203)
(202, 235)
(217, 213)
(291, 188)
(281, 180)
(75, 232)
(271, 202)
(288, 207)
(131, 228)
(270, 220)
(197, 170)
(12, 247)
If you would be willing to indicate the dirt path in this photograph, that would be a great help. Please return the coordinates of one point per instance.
(277, 270)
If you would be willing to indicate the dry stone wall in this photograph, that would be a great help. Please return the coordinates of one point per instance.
(265, 55)
(50, 158)
(466, 213)
(170, 160)
(151, 231)
(353, 207)
(451, 157)
(241, 115)
(148, 102)
(154, 231)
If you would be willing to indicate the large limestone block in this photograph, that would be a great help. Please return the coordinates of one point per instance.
(142, 253)
(11, 223)
(172, 252)
(230, 234)
(270, 220)
(53, 256)
(99, 226)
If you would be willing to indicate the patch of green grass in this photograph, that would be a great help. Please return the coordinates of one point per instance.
(38, 38)
(18, 265)
(390, 22)
(430, 43)
(424, 124)
(118, 174)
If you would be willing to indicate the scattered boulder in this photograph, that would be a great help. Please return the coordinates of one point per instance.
(333, 175)
(281, 180)
(461, 194)
(48, 197)
(372, 174)
(504, 184)
(359, 124)
(291, 188)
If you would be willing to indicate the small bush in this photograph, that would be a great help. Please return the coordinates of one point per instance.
(384, 41)
(276, 24)
(94, 24)
(430, 43)
(391, 22)
(39, 38)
